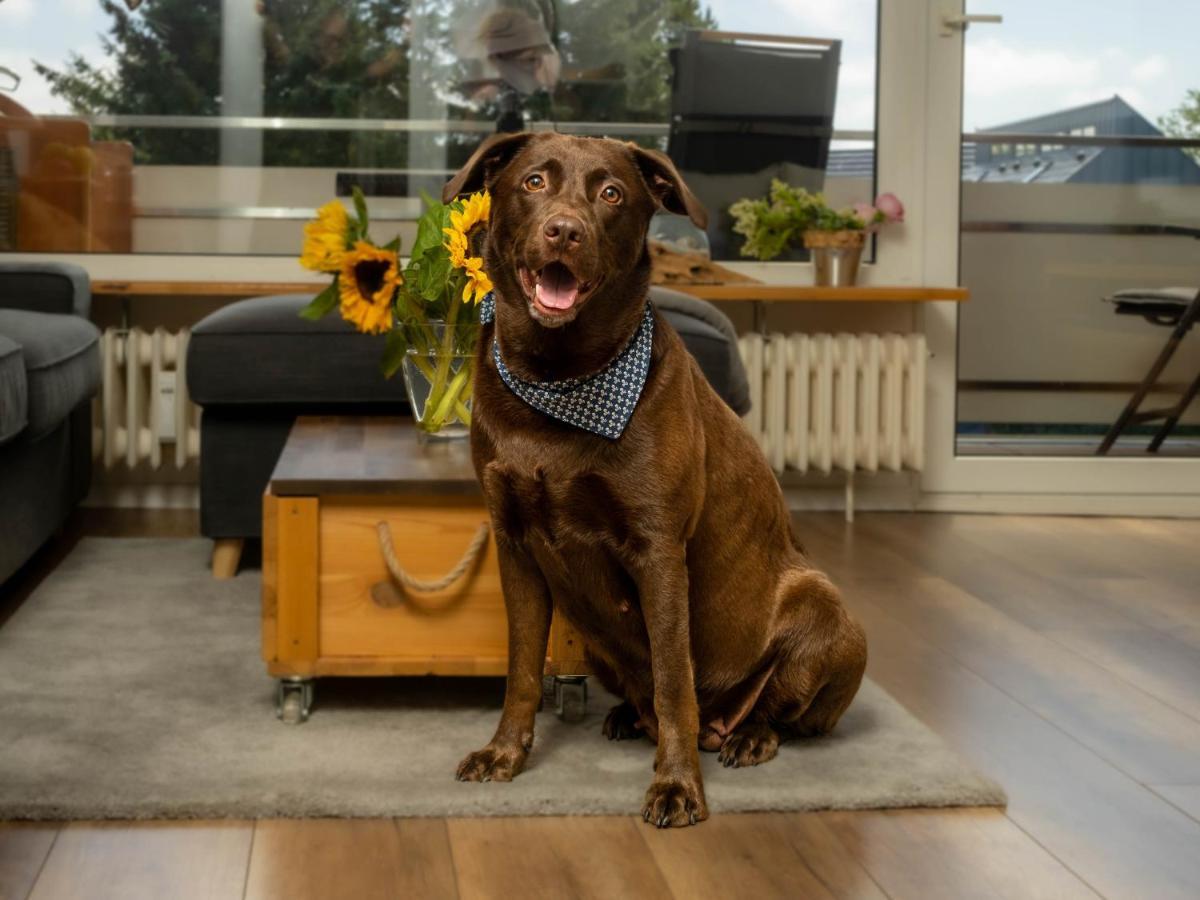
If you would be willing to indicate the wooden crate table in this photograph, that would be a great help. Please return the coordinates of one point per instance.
(330, 606)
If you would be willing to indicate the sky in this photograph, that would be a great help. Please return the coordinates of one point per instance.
(1047, 55)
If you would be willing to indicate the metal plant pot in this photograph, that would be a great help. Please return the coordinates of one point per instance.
(835, 256)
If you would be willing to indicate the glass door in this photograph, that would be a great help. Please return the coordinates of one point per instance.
(1080, 220)
(1079, 240)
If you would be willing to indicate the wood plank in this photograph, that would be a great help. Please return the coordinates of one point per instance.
(1163, 607)
(123, 861)
(930, 854)
(24, 847)
(1161, 550)
(1120, 838)
(739, 291)
(761, 856)
(429, 537)
(566, 649)
(1164, 667)
(136, 288)
(327, 859)
(371, 666)
(1144, 736)
(579, 857)
(1184, 797)
(270, 575)
(360, 455)
(811, 294)
(297, 615)
(1137, 733)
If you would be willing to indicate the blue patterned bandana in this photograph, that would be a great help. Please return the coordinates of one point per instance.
(601, 403)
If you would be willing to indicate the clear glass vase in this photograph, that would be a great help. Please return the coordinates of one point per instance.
(439, 375)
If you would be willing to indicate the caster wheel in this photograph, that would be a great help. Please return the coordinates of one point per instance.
(570, 697)
(291, 712)
(294, 700)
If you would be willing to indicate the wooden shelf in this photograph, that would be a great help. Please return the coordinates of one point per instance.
(204, 288)
(775, 293)
(780, 293)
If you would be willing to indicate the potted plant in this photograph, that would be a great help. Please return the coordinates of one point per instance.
(789, 216)
(426, 309)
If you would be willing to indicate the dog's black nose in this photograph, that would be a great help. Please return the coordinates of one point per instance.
(563, 229)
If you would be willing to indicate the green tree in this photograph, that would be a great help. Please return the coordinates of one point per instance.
(165, 61)
(354, 59)
(1184, 121)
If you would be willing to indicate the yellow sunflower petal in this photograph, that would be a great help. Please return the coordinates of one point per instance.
(367, 284)
(475, 211)
(325, 238)
(456, 245)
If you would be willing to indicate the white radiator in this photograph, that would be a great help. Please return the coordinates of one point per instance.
(847, 401)
(143, 402)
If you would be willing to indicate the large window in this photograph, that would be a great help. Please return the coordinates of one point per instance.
(215, 126)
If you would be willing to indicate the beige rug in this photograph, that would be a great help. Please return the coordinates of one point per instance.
(131, 687)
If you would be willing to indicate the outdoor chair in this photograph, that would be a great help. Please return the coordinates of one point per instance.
(1177, 308)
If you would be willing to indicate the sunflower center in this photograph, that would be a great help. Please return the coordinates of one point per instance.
(368, 276)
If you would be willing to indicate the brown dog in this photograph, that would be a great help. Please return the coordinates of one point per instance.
(670, 548)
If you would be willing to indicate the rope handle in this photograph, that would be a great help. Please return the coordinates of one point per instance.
(385, 593)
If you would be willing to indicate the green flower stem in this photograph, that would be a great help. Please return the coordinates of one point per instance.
(451, 397)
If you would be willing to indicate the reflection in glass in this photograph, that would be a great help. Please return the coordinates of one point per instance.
(202, 126)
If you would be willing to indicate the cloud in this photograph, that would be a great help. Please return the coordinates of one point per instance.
(1150, 69)
(13, 11)
(1005, 83)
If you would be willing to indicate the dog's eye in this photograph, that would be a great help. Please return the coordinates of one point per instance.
(610, 194)
(535, 183)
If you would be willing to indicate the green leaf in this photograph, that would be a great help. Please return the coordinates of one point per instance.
(435, 269)
(393, 352)
(429, 230)
(393, 244)
(321, 304)
(360, 207)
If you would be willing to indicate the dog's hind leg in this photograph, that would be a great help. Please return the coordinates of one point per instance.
(821, 659)
(754, 741)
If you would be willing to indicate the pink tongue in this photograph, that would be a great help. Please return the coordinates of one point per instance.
(557, 287)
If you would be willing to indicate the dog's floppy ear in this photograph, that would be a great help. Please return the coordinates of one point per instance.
(667, 185)
(492, 156)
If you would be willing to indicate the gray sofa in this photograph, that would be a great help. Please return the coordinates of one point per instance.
(255, 365)
(49, 372)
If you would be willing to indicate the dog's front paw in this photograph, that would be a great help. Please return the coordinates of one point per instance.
(492, 763)
(671, 803)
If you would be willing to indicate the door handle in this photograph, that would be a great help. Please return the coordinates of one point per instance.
(952, 23)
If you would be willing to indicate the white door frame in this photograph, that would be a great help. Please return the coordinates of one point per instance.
(1098, 485)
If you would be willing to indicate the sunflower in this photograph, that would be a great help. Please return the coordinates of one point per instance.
(476, 210)
(478, 282)
(456, 245)
(325, 238)
(367, 283)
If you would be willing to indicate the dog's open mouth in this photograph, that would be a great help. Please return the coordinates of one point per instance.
(553, 289)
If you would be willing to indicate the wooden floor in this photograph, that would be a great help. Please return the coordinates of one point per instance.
(1060, 655)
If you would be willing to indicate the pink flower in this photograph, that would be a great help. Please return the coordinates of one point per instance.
(868, 214)
(891, 207)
